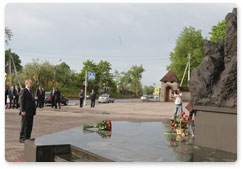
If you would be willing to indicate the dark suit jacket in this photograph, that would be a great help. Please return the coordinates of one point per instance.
(39, 94)
(53, 95)
(27, 102)
(93, 96)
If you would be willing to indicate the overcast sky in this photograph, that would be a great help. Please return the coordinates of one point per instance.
(122, 34)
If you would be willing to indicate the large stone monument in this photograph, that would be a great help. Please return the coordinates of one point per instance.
(213, 89)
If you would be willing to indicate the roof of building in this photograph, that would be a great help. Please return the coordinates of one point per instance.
(170, 77)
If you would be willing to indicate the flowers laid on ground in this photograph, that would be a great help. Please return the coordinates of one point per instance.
(102, 128)
(177, 136)
(104, 125)
(180, 125)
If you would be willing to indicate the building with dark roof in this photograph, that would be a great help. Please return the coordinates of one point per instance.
(169, 83)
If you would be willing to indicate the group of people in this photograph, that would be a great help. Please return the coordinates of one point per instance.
(92, 98)
(28, 106)
(40, 93)
(55, 98)
(13, 95)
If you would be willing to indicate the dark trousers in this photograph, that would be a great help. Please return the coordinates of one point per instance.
(52, 102)
(39, 103)
(26, 127)
(92, 103)
(81, 101)
(11, 102)
(16, 102)
(57, 102)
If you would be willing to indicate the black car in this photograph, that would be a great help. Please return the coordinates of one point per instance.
(63, 100)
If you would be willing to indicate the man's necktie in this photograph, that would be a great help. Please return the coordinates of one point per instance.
(31, 94)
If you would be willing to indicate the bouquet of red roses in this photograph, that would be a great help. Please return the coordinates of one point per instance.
(104, 125)
(180, 124)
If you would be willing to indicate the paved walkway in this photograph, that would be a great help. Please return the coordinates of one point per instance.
(49, 120)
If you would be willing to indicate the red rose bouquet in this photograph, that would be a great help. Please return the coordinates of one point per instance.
(180, 124)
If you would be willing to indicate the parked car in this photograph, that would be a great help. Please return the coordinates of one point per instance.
(63, 100)
(144, 98)
(106, 98)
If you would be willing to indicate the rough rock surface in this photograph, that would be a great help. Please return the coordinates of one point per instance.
(214, 81)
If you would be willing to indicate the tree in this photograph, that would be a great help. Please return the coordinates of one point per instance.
(103, 81)
(39, 73)
(16, 60)
(190, 41)
(12, 67)
(88, 65)
(104, 76)
(135, 73)
(125, 81)
(8, 35)
(149, 90)
(63, 73)
(218, 32)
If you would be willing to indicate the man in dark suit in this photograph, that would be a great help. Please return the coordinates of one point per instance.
(16, 96)
(53, 95)
(39, 94)
(92, 98)
(11, 96)
(57, 99)
(27, 111)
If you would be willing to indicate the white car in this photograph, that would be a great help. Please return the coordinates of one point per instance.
(144, 98)
(106, 98)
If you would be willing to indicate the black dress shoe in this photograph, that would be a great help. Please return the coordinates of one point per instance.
(21, 141)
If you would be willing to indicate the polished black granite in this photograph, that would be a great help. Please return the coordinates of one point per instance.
(131, 141)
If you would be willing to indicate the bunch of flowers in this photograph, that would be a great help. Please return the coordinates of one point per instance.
(180, 124)
(104, 125)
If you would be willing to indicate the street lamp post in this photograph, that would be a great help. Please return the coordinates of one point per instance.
(55, 73)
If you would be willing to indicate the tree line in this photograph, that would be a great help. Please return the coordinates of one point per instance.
(46, 74)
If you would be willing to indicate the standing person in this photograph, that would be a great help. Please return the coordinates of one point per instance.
(43, 97)
(6, 98)
(178, 102)
(57, 99)
(16, 96)
(27, 111)
(39, 95)
(11, 96)
(92, 98)
(53, 94)
(81, 98)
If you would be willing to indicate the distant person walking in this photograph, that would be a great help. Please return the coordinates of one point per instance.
(6, 98)
(92, 98)
(43, 97)
(178, 102)
(39, 95)
(53, 95)
(11, 97)
(27, 111)
(81, 98)
(16, 97)
(57, 99)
